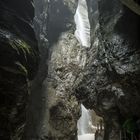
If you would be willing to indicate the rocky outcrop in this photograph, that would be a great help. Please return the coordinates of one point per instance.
(37, 113)
(104, 77)
(101, 77)
(54, 111)
(65, 63)
(18, 65)
(112, 75)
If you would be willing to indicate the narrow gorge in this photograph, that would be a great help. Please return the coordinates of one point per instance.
(69, 70)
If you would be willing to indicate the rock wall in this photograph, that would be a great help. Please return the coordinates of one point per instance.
(101, 77)
(54, 111)
(65, 62)
(37, 113)
(18, 65)
(111, 81)
(104, 77)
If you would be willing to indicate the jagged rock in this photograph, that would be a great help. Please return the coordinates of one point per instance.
(98, 76)
(53, 110)
(111, 78)
(104, 77)
(37, 113)
(101, 77)
(65, 63)
(18, 65)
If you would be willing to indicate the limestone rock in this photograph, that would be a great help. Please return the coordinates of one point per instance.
(111, 80)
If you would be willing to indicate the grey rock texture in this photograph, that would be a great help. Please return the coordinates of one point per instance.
(65, 62)
(104, 77)
(111, 77)
(54, 111)
(36, 118)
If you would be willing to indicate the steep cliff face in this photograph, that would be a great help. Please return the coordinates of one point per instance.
(18, 65)
(53, 111)
(112, 75)
(65, 62)
(104, 76)
(101, 77)
(37, 113)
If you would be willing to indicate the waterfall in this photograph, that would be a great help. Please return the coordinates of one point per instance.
(85, 125)
(82, 32)
(84, 122)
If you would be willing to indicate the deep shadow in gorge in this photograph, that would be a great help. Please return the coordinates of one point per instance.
(60, 20)
(45, 105)
(19, 60)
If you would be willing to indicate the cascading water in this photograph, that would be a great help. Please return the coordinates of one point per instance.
(85, 125)
(84, 122)
(82, 32)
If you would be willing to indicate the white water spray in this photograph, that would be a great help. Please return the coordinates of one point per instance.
(84, 122)
(85, 125)
(82, 32)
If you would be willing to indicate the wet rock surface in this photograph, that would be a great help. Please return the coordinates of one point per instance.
(18, 65)
(111, 78)
(36, 118)
(104, 77)
(53, 110)
(65, 62)
(65, 65)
